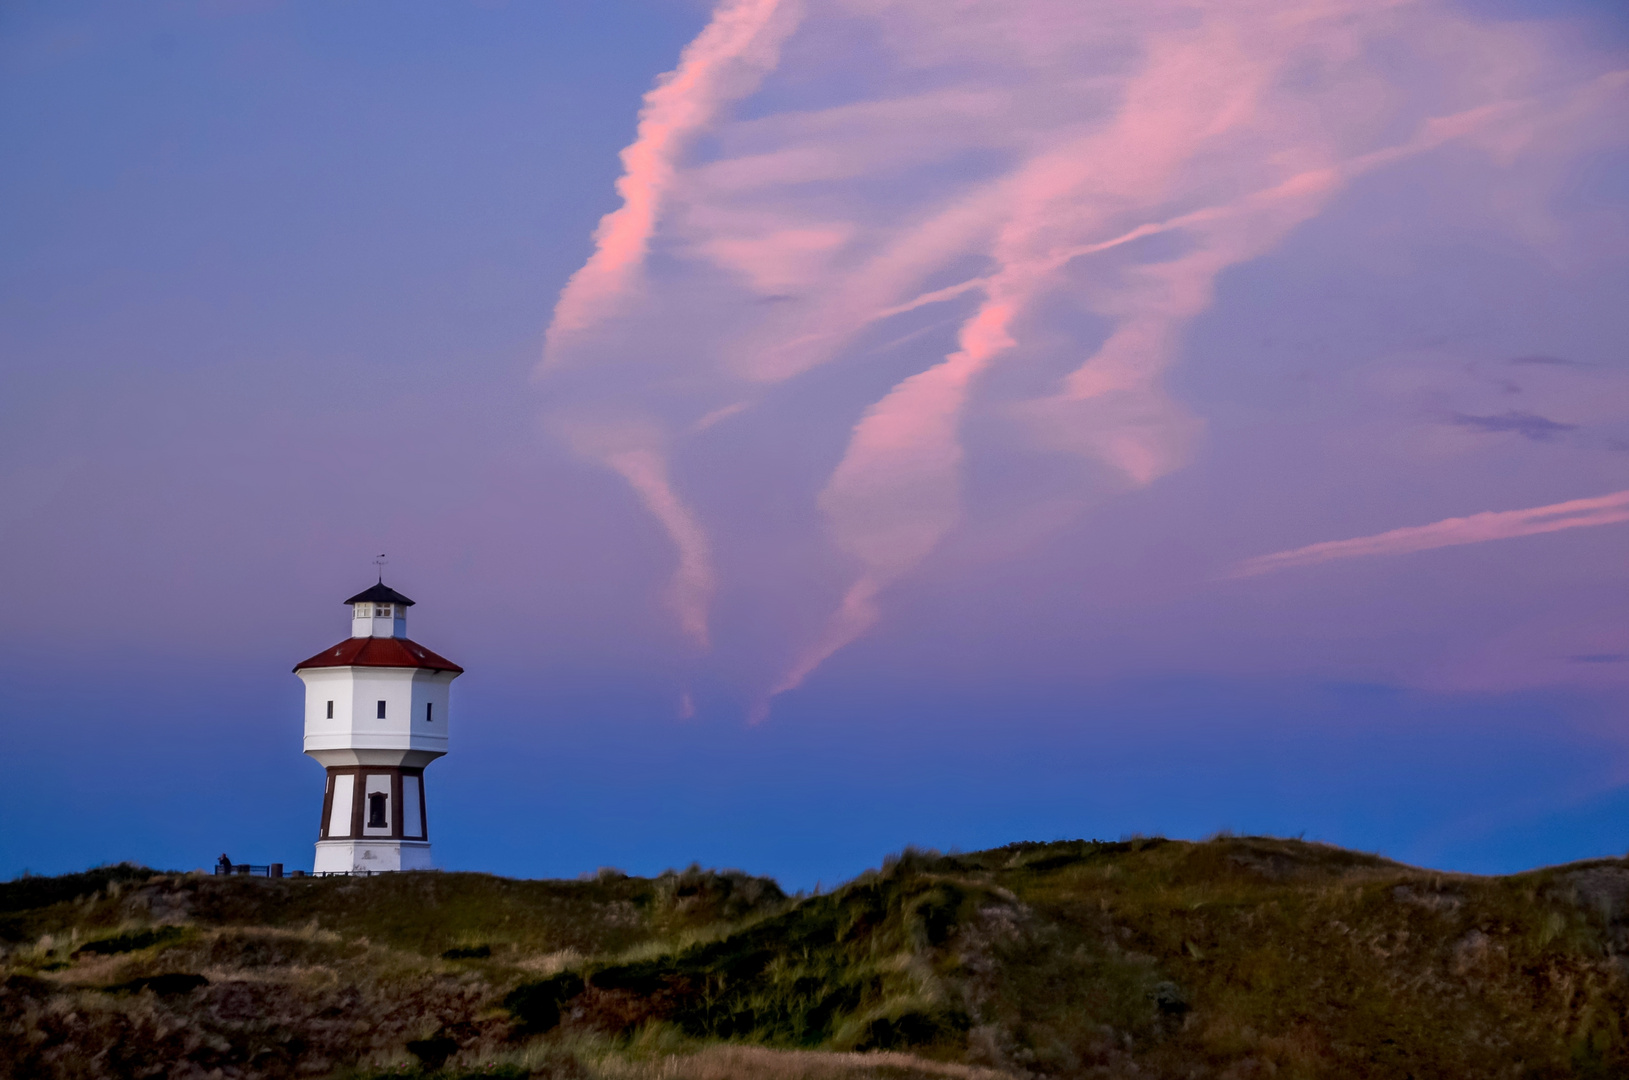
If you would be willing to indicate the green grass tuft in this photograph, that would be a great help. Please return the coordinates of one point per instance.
(129, 942)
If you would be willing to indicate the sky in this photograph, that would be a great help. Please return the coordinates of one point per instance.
(821, 426)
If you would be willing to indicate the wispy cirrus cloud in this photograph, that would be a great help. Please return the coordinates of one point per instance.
(1063, 185)
(691, 591)
(739, 45)
(637, 452)
(1472, 529)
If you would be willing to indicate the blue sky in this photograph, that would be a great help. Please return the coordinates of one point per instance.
(742, 568)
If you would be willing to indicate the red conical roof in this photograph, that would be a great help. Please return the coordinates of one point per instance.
(379, 652)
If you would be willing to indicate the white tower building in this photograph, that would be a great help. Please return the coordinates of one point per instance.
(375, 715)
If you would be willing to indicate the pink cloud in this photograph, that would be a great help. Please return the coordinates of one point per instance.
(691, 591)
(894, 495)
(1030, 168)
(634, 452)
(780, 259)
(740, 43)
(1474, 529)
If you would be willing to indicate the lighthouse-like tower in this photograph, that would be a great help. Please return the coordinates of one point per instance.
(375, 715)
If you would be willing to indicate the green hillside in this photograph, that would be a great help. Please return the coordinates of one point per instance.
(1233, 958)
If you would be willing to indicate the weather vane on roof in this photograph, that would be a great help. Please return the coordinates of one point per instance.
(380, 563)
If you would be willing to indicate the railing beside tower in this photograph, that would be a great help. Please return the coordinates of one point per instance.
(270, 870)
(275, 870)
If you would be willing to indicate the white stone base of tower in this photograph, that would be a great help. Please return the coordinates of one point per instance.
(346, 856)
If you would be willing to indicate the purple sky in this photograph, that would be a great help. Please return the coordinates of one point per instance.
(1051, 420)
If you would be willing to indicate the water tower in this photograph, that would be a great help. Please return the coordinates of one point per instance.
(376, 713)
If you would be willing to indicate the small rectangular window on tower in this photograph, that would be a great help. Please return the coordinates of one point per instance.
(330, 710)
(381, 710)
(429, 712)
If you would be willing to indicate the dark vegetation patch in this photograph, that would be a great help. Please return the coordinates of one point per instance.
(27, 986)
(537, 1005)
(434, 1051)
(472, 952)
(165, 985)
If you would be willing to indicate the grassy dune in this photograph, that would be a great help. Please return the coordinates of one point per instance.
(1233, 958)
